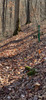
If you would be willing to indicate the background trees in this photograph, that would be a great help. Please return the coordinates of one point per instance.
(23, 11)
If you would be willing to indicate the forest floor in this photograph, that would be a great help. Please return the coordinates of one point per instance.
(16, 53)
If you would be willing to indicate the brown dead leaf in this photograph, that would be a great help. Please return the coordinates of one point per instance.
(18, 73)
(39, 51)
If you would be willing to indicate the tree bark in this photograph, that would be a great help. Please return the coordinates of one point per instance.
(28, 12)
(3, 18)
(16, 17)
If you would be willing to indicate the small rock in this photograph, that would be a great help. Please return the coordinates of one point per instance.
(37, 85)
(22, 96)
(9, 89)
(8, 97)
(40, 97)
(7, 67)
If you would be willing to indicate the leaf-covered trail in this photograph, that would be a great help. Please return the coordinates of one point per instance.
(16, 53)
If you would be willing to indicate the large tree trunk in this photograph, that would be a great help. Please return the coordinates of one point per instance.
(28, 12)
(16, 17)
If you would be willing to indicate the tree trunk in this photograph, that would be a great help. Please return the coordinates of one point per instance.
(6, 13)
(3, 18)
(16, 17)
(28, 12)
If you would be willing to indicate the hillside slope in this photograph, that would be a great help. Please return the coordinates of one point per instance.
(16, 53)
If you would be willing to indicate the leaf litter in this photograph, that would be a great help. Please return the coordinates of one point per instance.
(15, 54)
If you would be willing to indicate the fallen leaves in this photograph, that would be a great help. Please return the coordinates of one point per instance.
(35, 61)
(28, 60)
(18, 73)
(3, 80)
(8, 53)
(39, 51)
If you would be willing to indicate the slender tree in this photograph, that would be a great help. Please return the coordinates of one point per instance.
(3, 18)
(10, 15)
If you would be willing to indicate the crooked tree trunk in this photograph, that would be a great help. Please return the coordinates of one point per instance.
(16, 17)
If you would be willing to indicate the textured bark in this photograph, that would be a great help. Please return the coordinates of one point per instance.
(3, 18)
(16, 17)
(28, 12)
(10, 15)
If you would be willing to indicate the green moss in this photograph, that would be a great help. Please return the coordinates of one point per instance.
(27, 68)
(32, 72)
(25, 58)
